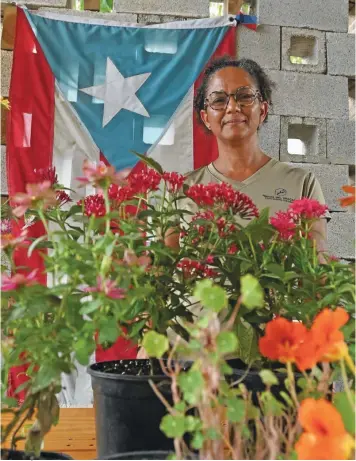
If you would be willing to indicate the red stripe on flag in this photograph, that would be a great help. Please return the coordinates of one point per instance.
(204, 143)
(29, 138)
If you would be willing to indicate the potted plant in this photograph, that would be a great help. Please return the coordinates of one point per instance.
(216, 407)
(114, 276)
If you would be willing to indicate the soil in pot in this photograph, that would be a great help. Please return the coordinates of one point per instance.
(18, 454)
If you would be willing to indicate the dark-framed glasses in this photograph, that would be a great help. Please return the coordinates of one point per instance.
(244, 96)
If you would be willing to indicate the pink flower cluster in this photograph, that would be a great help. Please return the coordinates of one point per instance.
(99, 174)
(93, 205)
(286, 221)
(194, 268)
(224, 195)
(108, 288)
(18, 281)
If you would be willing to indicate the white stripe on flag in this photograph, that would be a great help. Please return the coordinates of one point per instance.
(174, 151)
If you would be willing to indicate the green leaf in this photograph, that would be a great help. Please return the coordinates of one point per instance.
(271, 406)
(47, 374)
(268, 377)
(235, 410)
(191, 383)
(346, 411)
(106, 6)
(211, 296)
(251, 291)
(192, 423)
(248, 342)
(226, 342)
(149, 161)
(109, 330)
(198, 441)
(83, 349)
(155, 344)
(91, 306)
(33, 245)
(275, 269)
(173, 426)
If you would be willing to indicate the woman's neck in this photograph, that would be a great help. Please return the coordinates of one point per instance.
(241, 160)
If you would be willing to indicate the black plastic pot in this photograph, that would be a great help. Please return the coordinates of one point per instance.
(141, 455)
(18, 454)
(127, 411)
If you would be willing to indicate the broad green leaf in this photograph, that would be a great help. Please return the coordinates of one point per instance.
(198, 441)
(226, 342)
(211, 296)
(236, 410)
(251, 291)
(346, 411)
(268, 377)
(248, 342)
(91, 306)
(173, 426)
(270, 405)
(192, 423)
(275, 269)
(191, 383)
(109, 330)
(83, 349)
(155, 344)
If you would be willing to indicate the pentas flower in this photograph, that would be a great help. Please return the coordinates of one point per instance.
(145, 181)
(120, 194)
(101, 175)
(193, 268)
(174, 181)
(351, 199)
(282, 340)
(46, 174)
(18, 281)
(93, 205)
(285, 225)
(233, 249)
(107, 287)
(62, 197)
(5, 226)
(307, 208)
(324, 436)
(36, 194)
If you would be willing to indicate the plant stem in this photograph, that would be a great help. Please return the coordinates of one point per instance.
(346, 384)
(350, 363)
(107, 209)
(291, 383)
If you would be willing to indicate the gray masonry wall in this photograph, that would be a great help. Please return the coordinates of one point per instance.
(308, 49)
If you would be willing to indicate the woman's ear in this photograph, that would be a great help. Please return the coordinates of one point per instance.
(204, 117)
(263, 111)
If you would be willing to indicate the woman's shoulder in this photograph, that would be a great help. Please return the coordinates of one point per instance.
(199, 176)
(292, 170)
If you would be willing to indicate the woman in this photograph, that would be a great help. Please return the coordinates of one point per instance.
(232, 103)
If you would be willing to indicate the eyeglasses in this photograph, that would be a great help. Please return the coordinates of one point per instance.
(244, 96)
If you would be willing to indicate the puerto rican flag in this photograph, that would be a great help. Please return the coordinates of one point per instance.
(96, 89)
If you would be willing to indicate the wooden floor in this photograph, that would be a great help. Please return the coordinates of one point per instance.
(73, 435)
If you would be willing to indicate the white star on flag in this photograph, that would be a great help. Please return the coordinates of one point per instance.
(118, 92)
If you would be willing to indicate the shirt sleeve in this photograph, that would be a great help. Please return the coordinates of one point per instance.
(312, 190)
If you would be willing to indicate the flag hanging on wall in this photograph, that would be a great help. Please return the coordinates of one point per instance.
(92, 88)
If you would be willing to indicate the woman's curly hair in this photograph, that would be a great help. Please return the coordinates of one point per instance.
(263, 82)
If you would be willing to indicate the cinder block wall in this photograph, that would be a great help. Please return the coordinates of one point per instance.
(308, 49)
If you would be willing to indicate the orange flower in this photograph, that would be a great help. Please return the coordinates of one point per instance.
(283, 340)
(328, 339)
(324, 435)
(351, 199)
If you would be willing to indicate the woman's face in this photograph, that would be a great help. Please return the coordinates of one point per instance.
(235, 122)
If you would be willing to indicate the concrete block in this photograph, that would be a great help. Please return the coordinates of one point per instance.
(341, 141)
(158, 19)
(269, 136)
(309, 95)
(341, 54)
(303, 140)
(311, 14)
(119, 17)
(341, 235)
(305, 46)
(3, 177)
(186, 8)
(6, 67)
(331, 178)
(256, 45)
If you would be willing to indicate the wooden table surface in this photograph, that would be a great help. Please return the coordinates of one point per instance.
(73, 435)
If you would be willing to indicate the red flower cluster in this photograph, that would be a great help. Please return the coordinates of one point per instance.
(224, 195)
(284, 223)
(145, 181)
(120, 194)
(49, 174)
(94, 205)
(174, 181)
(307, 208)
(193, 268)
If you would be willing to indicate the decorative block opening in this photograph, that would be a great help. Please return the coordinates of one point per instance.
(216, 9)
(249, 7)
(352, 99)
(302, 139)
(303, 50)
